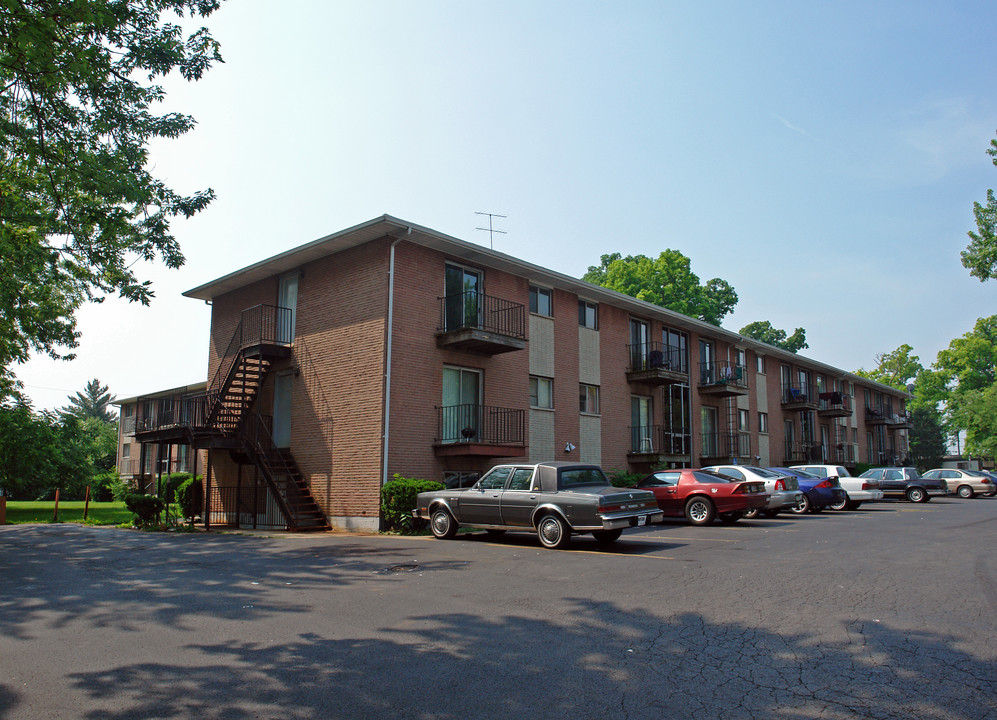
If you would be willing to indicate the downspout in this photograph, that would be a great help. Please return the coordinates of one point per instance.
(387, 368)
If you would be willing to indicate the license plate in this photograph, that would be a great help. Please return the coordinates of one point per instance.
(641, 520)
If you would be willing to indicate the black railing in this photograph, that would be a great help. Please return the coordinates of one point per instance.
(251, 505)
(802, 452)
(835, 401)
(793, 394)
(843, 454)
(725, 444)
(481, 424)
(722, 372)
(659, 440)
(657, 356)
(181, 408)
(478, 311)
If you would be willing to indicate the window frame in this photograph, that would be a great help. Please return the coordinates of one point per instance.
(535, 383)
(584, 396)
(583, 307)
(535, 293)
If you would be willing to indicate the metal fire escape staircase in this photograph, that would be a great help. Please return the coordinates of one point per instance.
(233, 415)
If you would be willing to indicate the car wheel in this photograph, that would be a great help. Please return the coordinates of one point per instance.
(604, 537)
(730, 517)
(840, 505)
(770, 513)
(916, 495)
(700, 511)
(554, 533)
(852, 505)
(751, 514)
(965, 491)
(442, 524)
(803, 506)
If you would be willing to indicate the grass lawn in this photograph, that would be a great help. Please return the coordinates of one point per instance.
(101, 513)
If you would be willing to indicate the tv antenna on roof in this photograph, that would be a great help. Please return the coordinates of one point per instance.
(490, 230)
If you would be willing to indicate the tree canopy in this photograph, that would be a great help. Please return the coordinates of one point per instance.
(896, 369)
(980, 256)
(763, 331)
(78, 203)
(94, 402)
(667, 281)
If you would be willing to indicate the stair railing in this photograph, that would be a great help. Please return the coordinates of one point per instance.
(261, 447)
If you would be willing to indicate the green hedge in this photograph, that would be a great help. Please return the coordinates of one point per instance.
(398, 500)
(190, 496)
(146, 508)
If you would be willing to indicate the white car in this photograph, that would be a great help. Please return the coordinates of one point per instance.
(784, 491)
(964, 483)
(857, 490)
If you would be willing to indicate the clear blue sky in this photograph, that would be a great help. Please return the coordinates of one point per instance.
(823, 158)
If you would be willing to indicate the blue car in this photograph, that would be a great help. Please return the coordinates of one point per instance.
(818, 492)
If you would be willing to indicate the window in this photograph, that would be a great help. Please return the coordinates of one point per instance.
(742, 420)
(763, 422)
(462, 287)
(126, 450)
(588, 314)
(456, 479)
(760, 363)
(740, 358)
(588, 399)
(540, 300)
(521, 479)
(541, 392)
(676, 350)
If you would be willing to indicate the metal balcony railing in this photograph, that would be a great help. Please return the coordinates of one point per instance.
(659, 440)
(834, 401)
(481, 424)
(474, 310)
(793, 394)
(801, 452)
(722, 372)
(657, 356)
(725, 445)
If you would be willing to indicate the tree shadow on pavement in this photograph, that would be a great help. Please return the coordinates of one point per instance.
(596, 661)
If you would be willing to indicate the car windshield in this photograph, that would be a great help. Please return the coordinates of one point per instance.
(842, 472)
(795, 473)
(708, 476)
(975, 473)
(762, 472)
(573, 477)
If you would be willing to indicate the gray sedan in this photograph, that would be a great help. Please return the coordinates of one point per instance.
(553, 499)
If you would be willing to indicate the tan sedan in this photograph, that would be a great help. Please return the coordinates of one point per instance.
(964, 483)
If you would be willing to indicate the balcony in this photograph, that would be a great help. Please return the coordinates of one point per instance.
(803, 452)
(876, 415)
(657, 364)
(799, 397)
(481, 431)
(834, 404)
(843, 454)
(170, 416)
(653, 444)
(481, 324)
(899, 421)
(721, 447)
(722, 378)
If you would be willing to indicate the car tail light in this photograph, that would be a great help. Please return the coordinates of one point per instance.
(870, 486)
(985, 481)
(610, 508)
(780, 485)
(825, 485)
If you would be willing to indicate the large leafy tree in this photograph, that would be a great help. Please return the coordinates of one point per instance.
(980, 256)
(763, 331)
(928, 443)
(897, 368)
(975, 412)
(668, 281)
(93, 402)
(78, 203)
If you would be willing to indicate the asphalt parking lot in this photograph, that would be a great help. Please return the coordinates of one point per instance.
(884, 612)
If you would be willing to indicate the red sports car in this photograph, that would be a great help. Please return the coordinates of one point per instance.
(701, 495)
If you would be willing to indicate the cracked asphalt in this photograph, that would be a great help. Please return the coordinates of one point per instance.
(884, 612)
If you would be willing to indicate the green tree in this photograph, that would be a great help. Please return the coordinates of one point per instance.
(970, 361)
(763, 331)
(667, 281)
(94, 402)
(975, 412)
(26, 445)
(927, 437)
(896, 369)
(980, 256)
(78, 203)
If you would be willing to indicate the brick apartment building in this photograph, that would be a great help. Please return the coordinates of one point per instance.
(392, 348)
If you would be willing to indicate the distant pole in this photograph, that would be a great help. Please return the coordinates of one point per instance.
(490, 230)
(86, 504)
(55, 513)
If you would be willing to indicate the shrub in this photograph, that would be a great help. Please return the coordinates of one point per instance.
(622, 478)
(190, 496)
(120, 489)
(146, 508)
(170, 484)
(398, 500)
